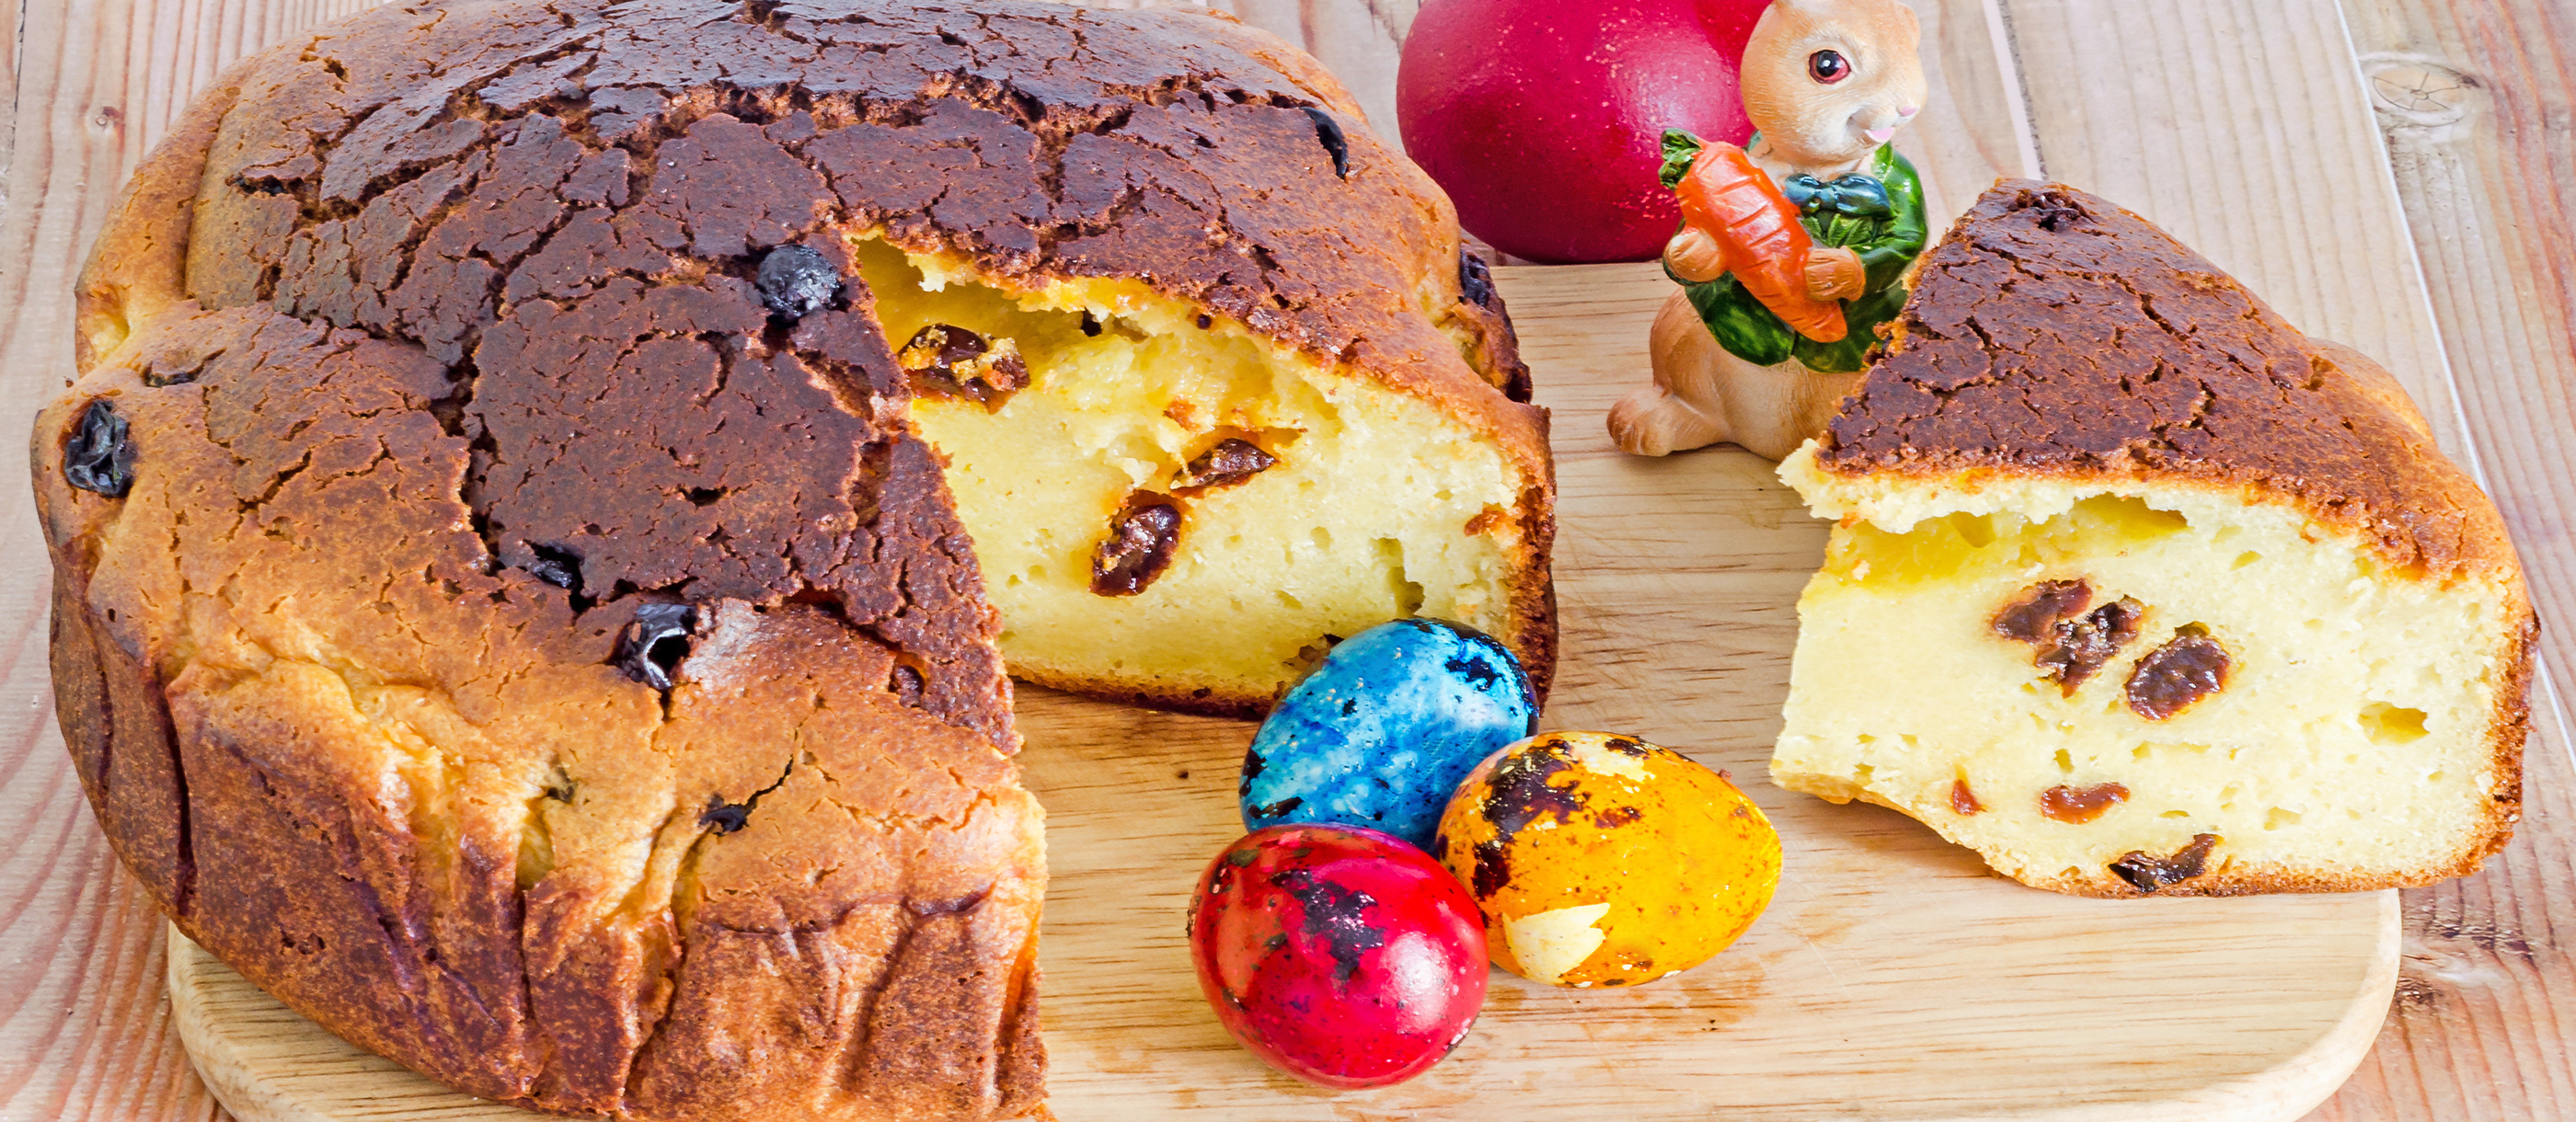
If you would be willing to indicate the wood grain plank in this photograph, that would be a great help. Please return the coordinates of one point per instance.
(82, 1017)
(84, 1023)
(10, 15)
(2473, 100)
(1359, 40)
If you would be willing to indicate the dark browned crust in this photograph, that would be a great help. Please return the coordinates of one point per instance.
(1497, 348)
(2052, 334)
(1176, 152)
(1534, 599)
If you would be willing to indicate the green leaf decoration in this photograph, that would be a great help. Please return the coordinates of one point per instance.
(1680, 148)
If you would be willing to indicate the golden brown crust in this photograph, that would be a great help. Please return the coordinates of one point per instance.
(391, 792)
(135, 267)
(2054, 335)
(2507, 731)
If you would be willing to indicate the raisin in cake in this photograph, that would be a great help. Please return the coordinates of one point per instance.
(505, 605)
(1250, 395)
(2136, 589)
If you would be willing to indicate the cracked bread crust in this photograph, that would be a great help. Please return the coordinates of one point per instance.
(412, 798)
(2053, 335)
(555, 149)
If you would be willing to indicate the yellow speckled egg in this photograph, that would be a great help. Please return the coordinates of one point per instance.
(1602, 860)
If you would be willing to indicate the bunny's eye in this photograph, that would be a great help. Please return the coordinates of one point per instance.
(1828, 67)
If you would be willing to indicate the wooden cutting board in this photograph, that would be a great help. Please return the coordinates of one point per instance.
(1893, 977)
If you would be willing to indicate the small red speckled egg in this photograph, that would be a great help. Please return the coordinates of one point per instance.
(1602, 860)
(1339, 955)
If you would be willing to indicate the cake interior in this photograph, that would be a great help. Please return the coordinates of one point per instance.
(1377, 505)
(2350, 735)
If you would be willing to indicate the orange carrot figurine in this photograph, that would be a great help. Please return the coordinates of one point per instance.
(1742, 210)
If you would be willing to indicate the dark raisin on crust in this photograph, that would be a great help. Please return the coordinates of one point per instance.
(652, 647)
(722, 817)
(558, 567)
(2085, 644)
(1139, 545)
(100, 455)
(2055, 210)
(944, 360)
(796, 281)
(2187, 668)
(2033, 618)
(1329, 132)
(1476, 286)
(2079, 805)
(2147, 874)
(1475, 279)
(1231, 461)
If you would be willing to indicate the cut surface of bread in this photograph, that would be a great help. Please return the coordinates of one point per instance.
(2348, 736)
(1307, 502)
(2135, 589)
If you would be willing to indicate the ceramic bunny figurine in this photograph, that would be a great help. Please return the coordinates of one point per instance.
(1826, 84)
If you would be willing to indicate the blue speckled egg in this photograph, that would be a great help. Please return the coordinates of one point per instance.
(1381, 733)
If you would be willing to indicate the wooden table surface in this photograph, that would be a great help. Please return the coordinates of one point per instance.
(2436, 138)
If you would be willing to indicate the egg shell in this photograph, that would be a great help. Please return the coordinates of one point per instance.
(1341, 956)
(1379, 735)
(1602, 860)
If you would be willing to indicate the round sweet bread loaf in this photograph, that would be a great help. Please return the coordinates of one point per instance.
(507, 607)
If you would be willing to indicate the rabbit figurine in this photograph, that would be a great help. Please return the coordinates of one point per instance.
(1826, 84)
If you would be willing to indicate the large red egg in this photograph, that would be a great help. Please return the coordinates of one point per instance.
(1544, 119)
(1339, 955)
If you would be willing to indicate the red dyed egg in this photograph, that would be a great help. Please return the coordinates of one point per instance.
(1544, 119)
(1339, 955)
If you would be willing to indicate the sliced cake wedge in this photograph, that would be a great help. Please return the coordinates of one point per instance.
(2136, 589)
